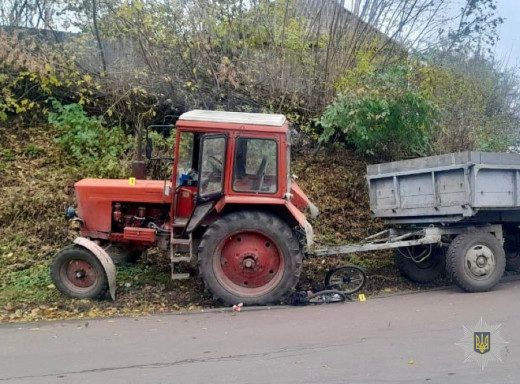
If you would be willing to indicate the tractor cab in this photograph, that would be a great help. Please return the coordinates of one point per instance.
(232, 155)
(230, 204)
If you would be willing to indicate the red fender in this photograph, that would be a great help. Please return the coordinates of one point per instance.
(104, 259)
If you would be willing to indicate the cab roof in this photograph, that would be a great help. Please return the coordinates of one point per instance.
(223, 117)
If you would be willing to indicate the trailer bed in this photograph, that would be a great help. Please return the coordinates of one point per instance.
(474, 186)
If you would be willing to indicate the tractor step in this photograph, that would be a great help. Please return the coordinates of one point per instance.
(178, 259)
(175, 244)
(180, 222)
(180, 276)
(176, 241)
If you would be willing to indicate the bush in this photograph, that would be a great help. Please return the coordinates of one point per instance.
(380, 114)
(96, 149)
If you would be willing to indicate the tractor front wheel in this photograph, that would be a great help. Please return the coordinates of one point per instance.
(250, 257)
(77, 273)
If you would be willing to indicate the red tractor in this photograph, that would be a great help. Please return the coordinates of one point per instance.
(230, 203)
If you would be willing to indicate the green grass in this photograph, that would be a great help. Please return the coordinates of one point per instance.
(369, 262)
(34, 151)
(7, 154)
(29, 285)
(33, 284)
(141, 274)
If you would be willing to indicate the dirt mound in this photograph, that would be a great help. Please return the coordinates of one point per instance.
(335, 181)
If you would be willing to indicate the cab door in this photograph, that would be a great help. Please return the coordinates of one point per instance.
(211, 176)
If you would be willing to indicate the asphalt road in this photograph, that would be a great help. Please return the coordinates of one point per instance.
(399, 339)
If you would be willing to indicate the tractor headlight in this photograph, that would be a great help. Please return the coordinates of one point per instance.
(71, 213)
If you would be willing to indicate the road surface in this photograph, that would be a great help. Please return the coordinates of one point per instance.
(399, 339)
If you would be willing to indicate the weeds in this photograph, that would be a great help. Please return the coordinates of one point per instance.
(31, 285)
(98, 150)
(33, 151)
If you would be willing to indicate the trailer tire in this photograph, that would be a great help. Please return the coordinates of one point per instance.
(512, 250)
(249, 257)
(77, 273)
(424, 272)
(475, 261)
(513, 261)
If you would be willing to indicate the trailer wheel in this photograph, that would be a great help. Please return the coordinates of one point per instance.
(424, 272)
(249, 257)
(511, 249)
(513, 261)
(476, 261)
(77, 273)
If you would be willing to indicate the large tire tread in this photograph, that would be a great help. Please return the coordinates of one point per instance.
(77, 252)
(512, 263)
(413, 272)
(456, 251)
(222, 226)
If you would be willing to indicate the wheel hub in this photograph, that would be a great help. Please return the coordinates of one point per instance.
(250, 263)
(250, 260)
(80, 274)
(480, 260)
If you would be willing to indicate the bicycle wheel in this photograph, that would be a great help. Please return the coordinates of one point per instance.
(327, 297)
(348, 279)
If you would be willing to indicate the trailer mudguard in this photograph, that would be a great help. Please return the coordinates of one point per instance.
(104, 259)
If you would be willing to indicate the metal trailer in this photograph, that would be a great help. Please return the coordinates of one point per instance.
(459, 212)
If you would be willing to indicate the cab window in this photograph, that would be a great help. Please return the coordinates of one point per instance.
(187, 163)
(255, 165)
(212, 160)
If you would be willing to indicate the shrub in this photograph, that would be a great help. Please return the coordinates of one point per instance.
(98, 150)
(381, 114)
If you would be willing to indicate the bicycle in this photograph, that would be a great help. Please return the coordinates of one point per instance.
(340, 283)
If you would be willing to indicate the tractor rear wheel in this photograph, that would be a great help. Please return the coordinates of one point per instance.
(77, 273)
(250, 257)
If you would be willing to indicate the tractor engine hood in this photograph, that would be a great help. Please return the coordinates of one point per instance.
(301, 201)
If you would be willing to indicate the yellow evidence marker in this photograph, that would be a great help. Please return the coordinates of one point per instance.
(131, 181)
(362, 297)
